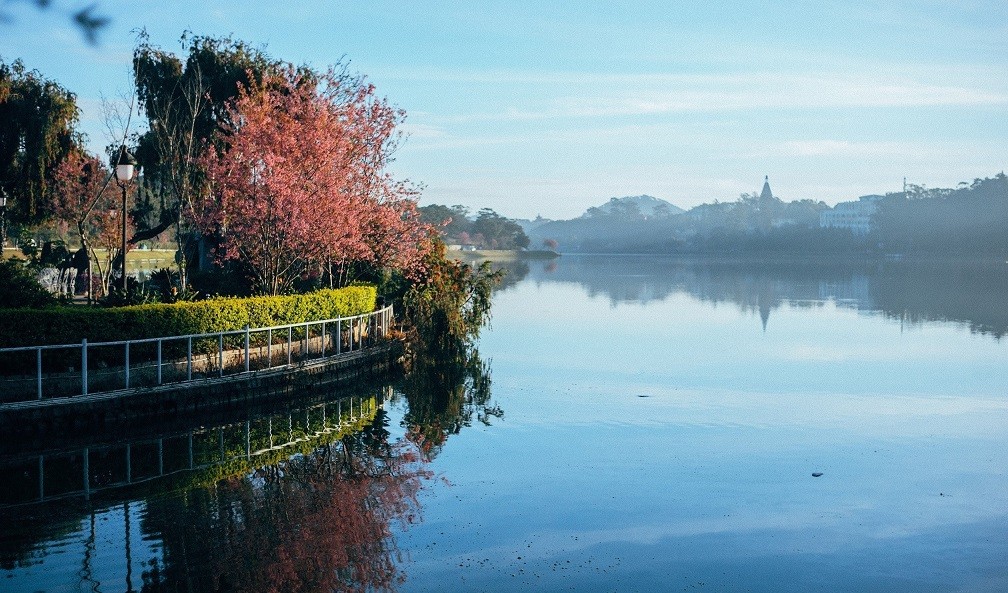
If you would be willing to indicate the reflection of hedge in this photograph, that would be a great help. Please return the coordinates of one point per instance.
(236, 464)
(69, 325)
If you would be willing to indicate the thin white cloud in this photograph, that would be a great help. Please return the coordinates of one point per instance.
(846, 148)
(552, 95)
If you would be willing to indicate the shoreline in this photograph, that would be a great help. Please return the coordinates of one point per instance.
(501, 255)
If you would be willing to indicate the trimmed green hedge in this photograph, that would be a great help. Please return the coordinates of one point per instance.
(69, 325)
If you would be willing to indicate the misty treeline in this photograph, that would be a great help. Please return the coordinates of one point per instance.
(485, 230)
(968, 220)
(971, 219)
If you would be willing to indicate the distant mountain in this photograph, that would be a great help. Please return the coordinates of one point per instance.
(530, 225)
(635, 206)
(616, 223)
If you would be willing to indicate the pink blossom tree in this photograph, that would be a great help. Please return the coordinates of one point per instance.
(85, 198)
(299, 182)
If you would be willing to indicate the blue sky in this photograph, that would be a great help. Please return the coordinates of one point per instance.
(550, 107)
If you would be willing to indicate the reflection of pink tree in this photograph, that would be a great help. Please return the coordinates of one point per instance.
(335, 512)
(318, 522)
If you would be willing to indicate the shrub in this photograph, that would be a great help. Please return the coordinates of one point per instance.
(69, 325)
(20, 289)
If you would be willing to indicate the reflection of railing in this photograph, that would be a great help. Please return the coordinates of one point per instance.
(234, 448)
(128, 364)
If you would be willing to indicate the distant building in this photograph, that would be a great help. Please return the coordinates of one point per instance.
(766, 195)
(854, 216)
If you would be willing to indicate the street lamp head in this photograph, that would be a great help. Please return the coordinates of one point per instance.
(124, 165)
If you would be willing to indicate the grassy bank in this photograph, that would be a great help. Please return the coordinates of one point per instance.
(137, 260)
(501, 255)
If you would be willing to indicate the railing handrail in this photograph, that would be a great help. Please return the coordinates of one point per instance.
(360, 327)
(230, 332)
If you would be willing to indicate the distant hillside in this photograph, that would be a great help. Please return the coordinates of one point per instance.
(610, 226)
(631, 206)
(530, 225)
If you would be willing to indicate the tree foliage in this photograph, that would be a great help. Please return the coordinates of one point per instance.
(37, 119)
(86, 200)
(968, 220)
(488, 230)
(20, 289)
(186, 102)
(449, 306)
(298, 182)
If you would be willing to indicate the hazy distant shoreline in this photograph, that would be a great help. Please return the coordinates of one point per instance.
(501, 255)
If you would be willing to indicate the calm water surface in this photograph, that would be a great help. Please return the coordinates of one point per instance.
(650, 425)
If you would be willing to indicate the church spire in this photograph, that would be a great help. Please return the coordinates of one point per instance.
(766, 194)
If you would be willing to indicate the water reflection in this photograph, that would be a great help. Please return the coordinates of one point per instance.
(914, 292)
(445, 397)
(315, 522)
(301, 499)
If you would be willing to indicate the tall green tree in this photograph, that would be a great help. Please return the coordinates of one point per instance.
(37, 131)
(185, 100)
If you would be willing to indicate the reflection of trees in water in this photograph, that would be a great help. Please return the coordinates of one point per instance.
(970, 293)
(514, 272)
(444, 397)
(317, 522)
(319, 519)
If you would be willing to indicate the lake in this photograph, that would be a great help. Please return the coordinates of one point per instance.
(628, 424)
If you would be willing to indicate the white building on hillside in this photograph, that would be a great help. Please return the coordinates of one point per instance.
(855, 216)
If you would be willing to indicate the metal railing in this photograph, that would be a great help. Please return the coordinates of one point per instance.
(126, 364)
(96, 468)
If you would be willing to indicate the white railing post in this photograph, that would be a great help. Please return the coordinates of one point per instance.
(127, 364)
(84, 366)
(375, 325)
(38, 368)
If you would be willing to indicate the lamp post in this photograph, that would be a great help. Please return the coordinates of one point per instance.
(3, 221)
(124, 167)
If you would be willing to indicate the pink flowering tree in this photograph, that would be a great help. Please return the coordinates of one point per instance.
(298, 182)
(86, 199)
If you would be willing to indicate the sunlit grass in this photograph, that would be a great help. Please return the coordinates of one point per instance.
(137, 260)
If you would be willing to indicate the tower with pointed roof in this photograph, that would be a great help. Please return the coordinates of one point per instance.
(766, 194)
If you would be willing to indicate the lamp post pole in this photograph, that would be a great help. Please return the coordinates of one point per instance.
(124, 167)
(122, 249)
(3, 221)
